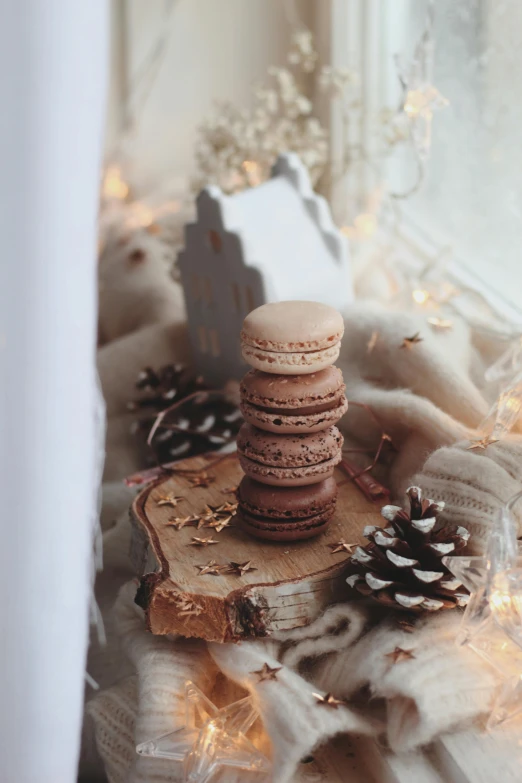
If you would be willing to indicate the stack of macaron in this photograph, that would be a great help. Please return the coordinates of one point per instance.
(291, 401)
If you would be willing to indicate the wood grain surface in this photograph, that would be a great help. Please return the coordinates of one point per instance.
(291, 583)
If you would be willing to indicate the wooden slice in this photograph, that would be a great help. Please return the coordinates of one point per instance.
(291, 583)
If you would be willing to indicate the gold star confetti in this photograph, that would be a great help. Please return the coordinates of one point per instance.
(241, 568)
(209, 514)
(329, 700)
(211, 568)
(342, 546)
(372, 342)
(398, 655)
(180, 522)
(169, 500)
(227, 508)
(409, 342)
(406, 624)
(442, 324)
(220, 524)
(267, 673)
(202, 541)
(482, 444)
(229, 490)
(202, 480)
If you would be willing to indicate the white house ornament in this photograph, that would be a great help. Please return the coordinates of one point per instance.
(270, 243)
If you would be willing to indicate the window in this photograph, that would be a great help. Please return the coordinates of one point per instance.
(471, 195)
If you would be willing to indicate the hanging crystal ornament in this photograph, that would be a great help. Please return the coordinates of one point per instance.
(492, 622)
(211, 745)
(421, 97)
(506, 411)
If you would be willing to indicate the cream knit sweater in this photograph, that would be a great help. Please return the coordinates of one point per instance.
(430, 400)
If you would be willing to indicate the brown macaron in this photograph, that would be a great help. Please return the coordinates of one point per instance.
(285, 513)
(289, 460)
(293, 403)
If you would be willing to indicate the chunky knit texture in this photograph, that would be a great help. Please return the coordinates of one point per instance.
(430, 400)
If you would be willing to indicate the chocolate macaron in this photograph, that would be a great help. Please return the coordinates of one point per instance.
(293, 404)
(292, 338)
(285, 513)
(289, 460)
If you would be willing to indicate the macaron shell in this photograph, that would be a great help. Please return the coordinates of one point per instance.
(289, 451)
(286, 503)
(288, 423)
(269, 390)
(290, 363)
(292, 326)
(290, 531)
(289, 477)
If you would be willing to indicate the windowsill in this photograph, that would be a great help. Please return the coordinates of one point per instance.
(423, 248)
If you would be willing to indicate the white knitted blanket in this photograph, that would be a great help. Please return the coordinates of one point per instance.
(430, 400)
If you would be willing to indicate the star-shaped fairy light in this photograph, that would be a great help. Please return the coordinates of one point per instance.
(398, 655)
(241, 568)
(196, 541)
(211, 743)
(267, 672)
(169, 500)
(421, 97)
(492, 622)
(212, 568)
(409, 342)
(342, 546)
(329, 700)
(507, 409)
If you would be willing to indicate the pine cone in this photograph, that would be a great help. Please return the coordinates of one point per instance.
(201, 421)
(402, 565)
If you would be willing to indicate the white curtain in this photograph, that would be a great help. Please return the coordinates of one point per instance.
(53, 56)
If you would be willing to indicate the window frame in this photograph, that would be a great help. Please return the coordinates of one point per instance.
(356, 34)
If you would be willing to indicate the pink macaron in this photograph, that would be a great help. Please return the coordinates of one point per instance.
(292, 338)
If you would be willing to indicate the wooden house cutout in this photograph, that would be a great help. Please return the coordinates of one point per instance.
(270, 243)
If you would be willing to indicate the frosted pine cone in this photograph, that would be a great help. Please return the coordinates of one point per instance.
(402, 565)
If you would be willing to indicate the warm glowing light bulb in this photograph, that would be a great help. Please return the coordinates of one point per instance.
(114, 186)
(420, 296)
(416, 102)
(253, 171)
(366, 223)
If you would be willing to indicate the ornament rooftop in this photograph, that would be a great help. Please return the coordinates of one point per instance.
(402, 565)
(270, 243)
